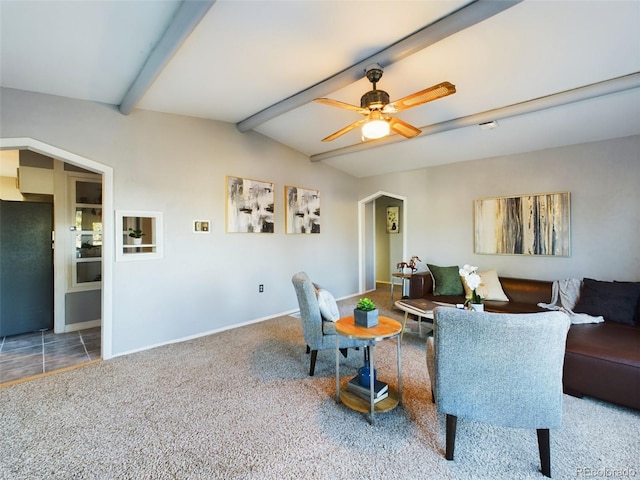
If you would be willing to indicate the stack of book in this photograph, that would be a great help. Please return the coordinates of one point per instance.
(380, 389)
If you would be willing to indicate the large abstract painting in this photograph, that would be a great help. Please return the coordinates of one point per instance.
(249, 206)
(302, 210)
(524, 225)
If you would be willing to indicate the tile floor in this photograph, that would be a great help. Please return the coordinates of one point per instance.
(31, 354)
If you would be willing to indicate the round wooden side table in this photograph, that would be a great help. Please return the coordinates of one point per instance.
(386, 329)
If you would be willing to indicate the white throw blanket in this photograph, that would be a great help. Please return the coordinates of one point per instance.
(567, 292)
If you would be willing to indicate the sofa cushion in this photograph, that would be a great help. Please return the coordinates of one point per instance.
(511, 307)
(489, 289)
(446, 280)
(637, 315)
(612, 342)
(615, 301)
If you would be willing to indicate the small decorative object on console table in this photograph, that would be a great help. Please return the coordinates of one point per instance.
(405, 271)
(473, 281)
(411, 265)
(366, 313)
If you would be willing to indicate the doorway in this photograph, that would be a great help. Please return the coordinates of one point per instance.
(379, 251)
(108, 221)
(26, 269)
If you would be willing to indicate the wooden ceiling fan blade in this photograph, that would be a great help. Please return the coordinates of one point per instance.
(344, 130)
(403, 128)
(427, 95)
(346, 106)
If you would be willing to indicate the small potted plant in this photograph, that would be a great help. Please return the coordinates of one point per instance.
(137, 235)
(366, 313)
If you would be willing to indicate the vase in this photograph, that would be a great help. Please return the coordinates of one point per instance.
(364, 375)
(478, 307)
(365, 319)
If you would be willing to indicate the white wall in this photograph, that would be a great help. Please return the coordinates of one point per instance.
(177, 165)
(602, 177)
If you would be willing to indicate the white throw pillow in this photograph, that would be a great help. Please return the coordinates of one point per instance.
(490, 288)
(328, 306)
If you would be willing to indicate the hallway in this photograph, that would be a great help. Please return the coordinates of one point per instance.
(23, 356)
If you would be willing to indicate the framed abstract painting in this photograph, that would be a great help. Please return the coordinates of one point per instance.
(302, 210)
(537, 224)
(250, 206)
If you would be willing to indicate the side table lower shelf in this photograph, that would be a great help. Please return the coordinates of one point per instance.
(359, 404)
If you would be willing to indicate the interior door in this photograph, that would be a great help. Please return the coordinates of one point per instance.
(82, 236)
(26, 267)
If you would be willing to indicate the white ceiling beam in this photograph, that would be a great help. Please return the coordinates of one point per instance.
(455, 22)
(187, 17)
(607, 87)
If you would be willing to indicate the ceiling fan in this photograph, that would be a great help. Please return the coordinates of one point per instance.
(375, 105)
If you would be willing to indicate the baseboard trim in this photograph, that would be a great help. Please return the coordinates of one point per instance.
(74, 327)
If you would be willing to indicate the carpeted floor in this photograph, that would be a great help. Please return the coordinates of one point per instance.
(239, 405)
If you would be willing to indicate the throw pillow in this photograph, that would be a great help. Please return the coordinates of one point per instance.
(328, 306)
(615, 301)
(637, 315)
(446, 280)
(491, 288)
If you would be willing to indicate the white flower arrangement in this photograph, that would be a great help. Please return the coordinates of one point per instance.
(470, 274)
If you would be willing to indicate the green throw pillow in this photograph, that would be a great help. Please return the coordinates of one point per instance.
(446, 280)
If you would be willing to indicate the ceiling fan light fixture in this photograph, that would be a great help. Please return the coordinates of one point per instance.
(375, 105)
(375, 129)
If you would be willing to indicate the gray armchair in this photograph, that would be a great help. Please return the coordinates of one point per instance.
(318, 334)
(502, 369)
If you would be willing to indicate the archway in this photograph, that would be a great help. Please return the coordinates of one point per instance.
(108, 222)
(366, 237)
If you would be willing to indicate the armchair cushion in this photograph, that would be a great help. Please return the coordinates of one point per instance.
(318, 334)
(328, 306)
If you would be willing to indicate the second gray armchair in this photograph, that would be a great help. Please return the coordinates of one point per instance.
(502, 369)
(318, 334)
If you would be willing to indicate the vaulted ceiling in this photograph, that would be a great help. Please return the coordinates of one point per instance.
(550, 73)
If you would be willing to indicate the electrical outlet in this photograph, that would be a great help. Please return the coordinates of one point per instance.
(260, 288)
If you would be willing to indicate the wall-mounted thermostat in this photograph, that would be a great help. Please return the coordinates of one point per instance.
(201, 226)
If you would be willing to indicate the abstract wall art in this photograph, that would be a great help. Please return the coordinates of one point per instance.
(250, 206)
(524, 225)
(302, 210)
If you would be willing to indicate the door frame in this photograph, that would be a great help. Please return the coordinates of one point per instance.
(27, 143)
(66, 188)
(366, 243)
